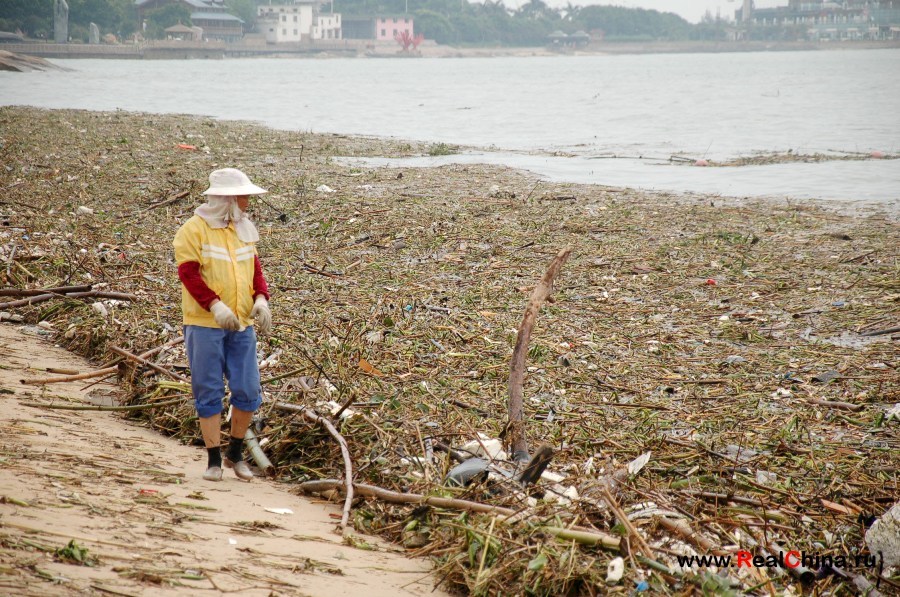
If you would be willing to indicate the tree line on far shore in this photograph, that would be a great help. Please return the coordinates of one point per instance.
(455, 22)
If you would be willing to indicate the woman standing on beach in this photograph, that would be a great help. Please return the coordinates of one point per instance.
(223, 290)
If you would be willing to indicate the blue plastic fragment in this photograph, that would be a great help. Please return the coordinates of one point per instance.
(642, 586)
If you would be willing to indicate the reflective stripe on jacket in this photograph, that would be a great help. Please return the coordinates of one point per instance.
(226, 265)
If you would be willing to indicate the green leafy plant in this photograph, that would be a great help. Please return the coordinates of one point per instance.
(75, 554)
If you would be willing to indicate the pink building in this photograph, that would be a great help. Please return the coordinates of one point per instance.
(386, 28)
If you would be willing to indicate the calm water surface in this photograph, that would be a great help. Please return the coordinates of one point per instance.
(641, 108)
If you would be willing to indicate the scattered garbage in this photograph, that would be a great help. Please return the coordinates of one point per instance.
(474, 258)
(485, 447)
(635, 466)
(893, 412)
(883, 538)
(279, 510)
(615, 570)
(324, 188)
(734, 360)
(469, 471)
(827, 376)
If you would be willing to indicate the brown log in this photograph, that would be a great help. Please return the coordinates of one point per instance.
(881, 332)
(38, 291)
(837, 404)
(131, 407)
(88, 294)
(40, 298)
(516, 427)
(103, 372)
(580, 534)
(120, 296)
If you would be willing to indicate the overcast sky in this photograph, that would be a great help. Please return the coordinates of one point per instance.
(692, 10)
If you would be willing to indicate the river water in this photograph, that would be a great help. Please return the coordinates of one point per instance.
(606, 119)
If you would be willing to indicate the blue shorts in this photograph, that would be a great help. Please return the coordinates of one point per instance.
(214, 353)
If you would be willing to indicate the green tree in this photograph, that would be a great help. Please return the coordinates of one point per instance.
(434, 25)
(32, 17)
(164, 17)
(244, 10)
(633, 23)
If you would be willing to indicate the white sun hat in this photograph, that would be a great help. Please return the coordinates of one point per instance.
(231, 181)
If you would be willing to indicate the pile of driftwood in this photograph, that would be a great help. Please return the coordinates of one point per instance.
(706, 378)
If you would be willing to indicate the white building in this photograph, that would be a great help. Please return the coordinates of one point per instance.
(327, 26)
(297, 21)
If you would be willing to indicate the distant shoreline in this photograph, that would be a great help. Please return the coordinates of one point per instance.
(349, 49)
(661, 47)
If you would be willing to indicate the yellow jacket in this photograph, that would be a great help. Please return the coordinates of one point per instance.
(226, 265)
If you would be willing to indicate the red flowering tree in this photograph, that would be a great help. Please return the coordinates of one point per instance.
(407, 41)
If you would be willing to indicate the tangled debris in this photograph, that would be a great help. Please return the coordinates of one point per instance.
(709, 377)
(787, 157)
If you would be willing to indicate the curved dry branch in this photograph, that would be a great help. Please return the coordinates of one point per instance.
(345, 452)
(578, 534)
(99, 372)
(516, 428)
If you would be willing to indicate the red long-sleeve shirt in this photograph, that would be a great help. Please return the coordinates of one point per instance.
(189, 274)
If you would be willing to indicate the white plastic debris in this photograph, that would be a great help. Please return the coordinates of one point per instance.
(560, 494)
(333, 408)
(374, 337)
(781, 393)
(615, 570)
(884, 537)
(552, 477)
(589, 466)
(893, 412)
(765, 477)
(270, 360)
(635, 466)
(417, 461)
(232, 541)
(100, 308)
(84, 211)
(485, 447)
(324, 188)
(280, 510)
(571, 493)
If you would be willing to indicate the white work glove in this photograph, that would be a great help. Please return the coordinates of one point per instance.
(262, 315)
(225, 317)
